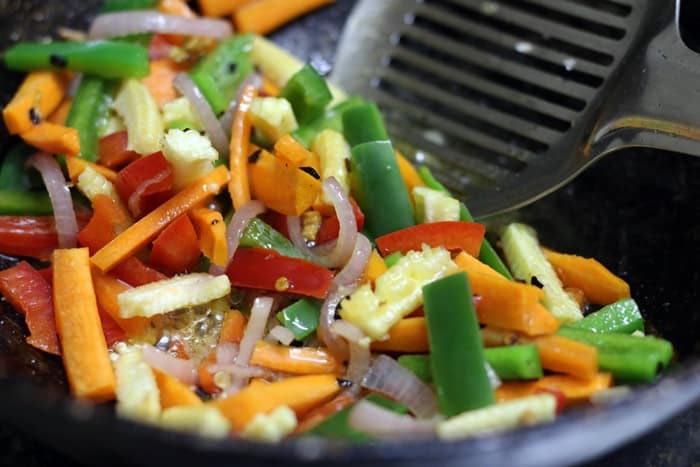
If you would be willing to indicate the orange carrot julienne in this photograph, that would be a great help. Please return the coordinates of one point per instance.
(408, 172)
(143, 231)
(159, 80)
(106, 290)
(282, 186)
(239, 187)
(295, 360)
(574, 389)
(263, 16)
(269, 87)
(60, 115)
(84, 350)
(52, 138)
(320, 413)
(563, 355)
(471, 264)
(375, 267)
(291, 150)
(206, 376)
(219, 7)
(39, 94)
(599, 285)
(211, 234)
(76, 165)
(173, 392)
(299, 393)
(176, 7)
(233, 327)
(409, 335)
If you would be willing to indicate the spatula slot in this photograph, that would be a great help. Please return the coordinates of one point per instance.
(621, 9)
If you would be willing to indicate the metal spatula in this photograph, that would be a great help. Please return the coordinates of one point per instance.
(507, 100)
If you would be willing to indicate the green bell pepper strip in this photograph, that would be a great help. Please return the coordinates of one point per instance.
(88, 112)
(301, 317)
(220, 74)
(106, 59)
(13, 175)
(124, 5)
(457, 353)
(33, 203)
(260, 234)
(337, 426)
(623, 316)
(308, 94)
(363, 124)
(629, 358)
(379, 188)
(487, 254)
(392, 259)
(331, 119)
(512, 362)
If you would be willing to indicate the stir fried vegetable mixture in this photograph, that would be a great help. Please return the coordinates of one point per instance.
(221, 242)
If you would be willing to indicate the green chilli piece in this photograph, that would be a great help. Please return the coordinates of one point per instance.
(632, 359)
(110, 6)
(88, 113)
(308, 93)
(363, 124)
(487, 254)
(32, 203)
(392, 259)
(13, 174)
(623, 316)
(514, 362)
(103, 58)
(260, 234)
(379, 188)
(220, 74)
(331, 119)
(457, 355)
(301, 317)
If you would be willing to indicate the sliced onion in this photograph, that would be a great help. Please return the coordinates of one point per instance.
(134, 22)
(183, 370)
(59, 193)
(226, 120)
(184, 84)
(281, 334)
(379, 422)
(344, 283)
(343, 246)
(387, 377)
(254, 331)
(360, 355)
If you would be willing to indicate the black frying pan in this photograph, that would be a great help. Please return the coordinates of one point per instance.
(637, 213)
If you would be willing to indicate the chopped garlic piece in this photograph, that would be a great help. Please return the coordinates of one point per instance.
(201, 419)
(271, 427)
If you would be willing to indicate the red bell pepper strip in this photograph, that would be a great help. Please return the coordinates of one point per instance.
(135, 272)
(113, 152)
(176, 248)
(30, 294)
(31, 236)
(261, 268)
(452, 235)
(330, 225)
(112, 331)
(145, 183)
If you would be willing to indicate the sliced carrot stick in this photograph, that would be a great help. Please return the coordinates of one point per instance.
(173, 392)
(76, 165)
(159, 80)
(263, 16)
(281, 186)
(219, 7)
(239, 187)
(322, 412)
(295, 360)
(143, 231)
(291, 150)
(211, 234)
(471, 264)
(269, 87)
(52, 138)
(206, 376)
(106, 290)
(233, 327)
(599, 285)
(408, 172)
(84, 350)
(408, 335)
(176, 7)
(375, 267)
(299, 393)
(563, 355)
(39, 94)
(575, 389)
(60, 115)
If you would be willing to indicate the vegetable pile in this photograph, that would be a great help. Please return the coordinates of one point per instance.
(221, 242)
